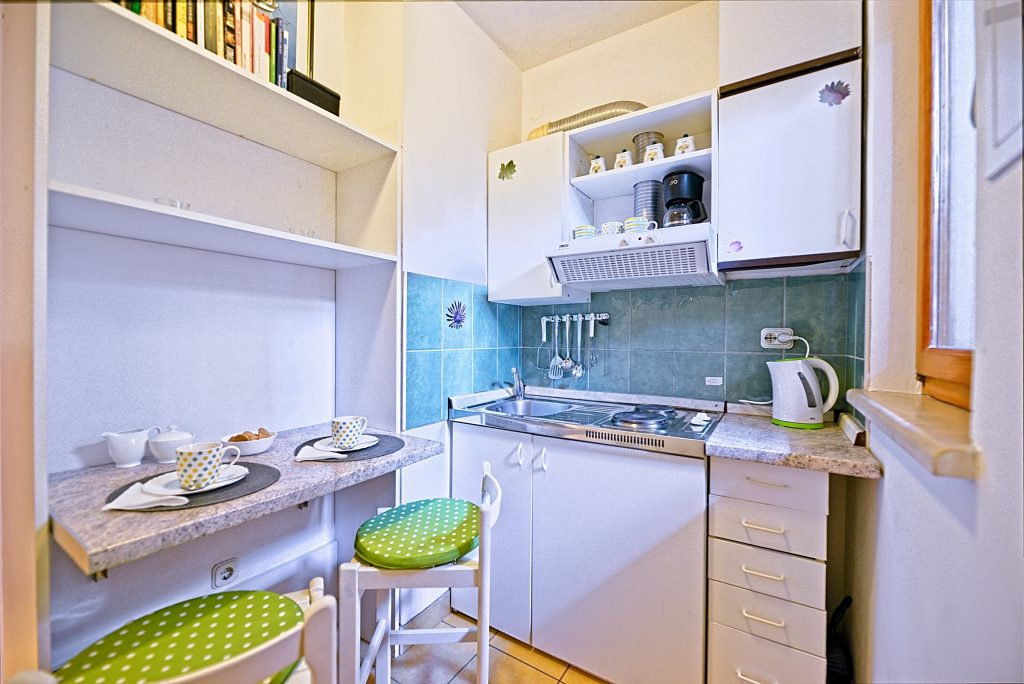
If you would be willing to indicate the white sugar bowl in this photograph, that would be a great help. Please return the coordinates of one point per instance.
(164, 444)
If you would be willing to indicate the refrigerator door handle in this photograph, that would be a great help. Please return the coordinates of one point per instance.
(848, 223)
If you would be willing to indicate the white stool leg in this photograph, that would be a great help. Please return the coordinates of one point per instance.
(384, 652)
(348, 627)
(483, 626)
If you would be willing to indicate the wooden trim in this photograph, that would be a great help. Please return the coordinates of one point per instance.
(946, 373)
(794, 260)
(789, 72)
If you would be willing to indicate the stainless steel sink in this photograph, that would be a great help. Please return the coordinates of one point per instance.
(536, 408)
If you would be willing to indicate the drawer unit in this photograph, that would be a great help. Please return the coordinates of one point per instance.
(773, 527)
(805, 490)
(782, 575)
(778, 620)
(735, 656)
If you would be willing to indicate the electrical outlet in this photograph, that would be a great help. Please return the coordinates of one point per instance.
(770, 338)
(224, 573)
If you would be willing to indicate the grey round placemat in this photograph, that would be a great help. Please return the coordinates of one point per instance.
(260, 477)
(386, 445)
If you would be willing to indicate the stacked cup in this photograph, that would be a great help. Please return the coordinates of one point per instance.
(584, 232)
(647, 200)
(638, 224)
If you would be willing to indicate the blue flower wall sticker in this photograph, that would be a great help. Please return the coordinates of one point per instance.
(456, 314)
(834, 93)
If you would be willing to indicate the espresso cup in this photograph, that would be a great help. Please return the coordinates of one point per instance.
(636, 224)
(611, 228)
(346, 430)
(199, 463)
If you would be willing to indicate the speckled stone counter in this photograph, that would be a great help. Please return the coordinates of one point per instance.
(753, 438)
(98, 540)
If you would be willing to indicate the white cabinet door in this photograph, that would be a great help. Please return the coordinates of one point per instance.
(789, 170)
(510, 569)
(757, 37)
(524, 221)
(618, 573)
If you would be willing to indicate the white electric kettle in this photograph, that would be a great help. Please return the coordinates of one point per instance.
(796, 394)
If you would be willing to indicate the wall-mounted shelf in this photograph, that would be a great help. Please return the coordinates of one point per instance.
(687, 115)
(115, 47)
(95, 211)
(617, 182)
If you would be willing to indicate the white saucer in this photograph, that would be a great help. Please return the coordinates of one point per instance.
(364, 441)
(168, 485)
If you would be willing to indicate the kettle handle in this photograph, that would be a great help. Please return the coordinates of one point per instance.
(833, 381)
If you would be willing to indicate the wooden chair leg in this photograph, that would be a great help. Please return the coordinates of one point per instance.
(348, 625)
(384, 652)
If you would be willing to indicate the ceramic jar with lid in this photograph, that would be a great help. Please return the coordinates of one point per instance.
(164, 444)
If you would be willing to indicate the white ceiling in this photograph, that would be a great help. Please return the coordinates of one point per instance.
(532, 32)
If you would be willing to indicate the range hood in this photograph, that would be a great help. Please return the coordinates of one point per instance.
(667, 257)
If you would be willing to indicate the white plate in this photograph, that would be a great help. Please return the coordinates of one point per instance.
(167, 484)
(363, 442)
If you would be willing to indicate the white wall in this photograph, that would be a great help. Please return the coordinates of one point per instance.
(462, 99)
(668, 58)
(936, 565)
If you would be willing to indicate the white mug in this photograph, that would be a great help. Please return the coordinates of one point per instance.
(611, 228)
(636, 224)
(199, 463)
(346, 431)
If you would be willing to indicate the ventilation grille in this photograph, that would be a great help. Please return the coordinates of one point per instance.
(635, 440)
(682, 259)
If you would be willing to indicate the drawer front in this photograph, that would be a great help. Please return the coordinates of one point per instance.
(783, 622)
(773, 527)
(735, 657)
(793, 578)
(804, 490)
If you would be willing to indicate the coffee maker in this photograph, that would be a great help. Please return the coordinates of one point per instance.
(683, 192)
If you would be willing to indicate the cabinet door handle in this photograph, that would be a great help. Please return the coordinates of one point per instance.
(780, 485)
(848, 221)
(758, 573)
(544, 459)
(739, 673)
(755, 526)
(519, 455)
(773, 623)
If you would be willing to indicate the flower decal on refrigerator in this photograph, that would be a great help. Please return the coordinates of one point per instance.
(456, 314)
(834, 93)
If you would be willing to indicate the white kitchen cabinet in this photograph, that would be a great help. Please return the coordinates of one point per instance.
(789, 171)
(529, 211)
(510, 455)
(757, 37)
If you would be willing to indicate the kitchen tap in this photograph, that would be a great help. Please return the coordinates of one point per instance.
(518, 387)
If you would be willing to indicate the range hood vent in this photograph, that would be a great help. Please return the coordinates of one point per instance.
(678, 256)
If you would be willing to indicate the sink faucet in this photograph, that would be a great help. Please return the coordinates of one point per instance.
(518, 388)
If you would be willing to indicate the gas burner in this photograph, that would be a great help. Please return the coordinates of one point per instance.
(655, 408)
(645, 420)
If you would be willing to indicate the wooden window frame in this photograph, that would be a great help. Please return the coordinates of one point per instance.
(945, 373)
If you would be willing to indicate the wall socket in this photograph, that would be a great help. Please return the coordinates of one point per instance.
(770, 338)
(224, 573)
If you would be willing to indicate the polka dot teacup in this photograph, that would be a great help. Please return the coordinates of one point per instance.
(346, 430)
(200, 463)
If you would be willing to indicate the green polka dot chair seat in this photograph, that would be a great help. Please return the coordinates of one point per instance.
(419, 534)
(185, 638)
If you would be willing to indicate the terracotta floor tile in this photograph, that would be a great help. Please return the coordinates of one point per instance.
(504, 669)
(575, 676)
(542, 661)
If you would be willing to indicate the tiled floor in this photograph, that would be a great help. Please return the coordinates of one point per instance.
(512, 662)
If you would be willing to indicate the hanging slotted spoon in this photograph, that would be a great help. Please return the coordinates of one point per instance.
(555, 367)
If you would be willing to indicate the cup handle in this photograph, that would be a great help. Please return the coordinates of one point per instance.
(651, 225)
(238, 454)
(362, 425)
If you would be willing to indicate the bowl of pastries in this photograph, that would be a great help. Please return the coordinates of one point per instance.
(251, 443)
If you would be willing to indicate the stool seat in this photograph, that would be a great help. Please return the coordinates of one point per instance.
(419, 534)
(185, 637)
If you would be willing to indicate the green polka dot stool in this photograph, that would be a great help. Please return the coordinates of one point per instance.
(417, 545)
(234, 636)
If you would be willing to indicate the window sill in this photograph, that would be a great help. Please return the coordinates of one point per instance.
(936, 434)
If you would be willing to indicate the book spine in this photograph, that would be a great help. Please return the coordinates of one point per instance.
(272, 51)
(229, 30)
(210, 24)
(190, 18)
(246, 34)
(169, 15)
(238, 32)
(279, 61)
(284, 76)
(259, 44)
(218, 25)
(158, 12)
(148, 10)
(181, 18)
(135, 6)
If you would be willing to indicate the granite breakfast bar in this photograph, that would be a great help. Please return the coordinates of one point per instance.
(97, 540)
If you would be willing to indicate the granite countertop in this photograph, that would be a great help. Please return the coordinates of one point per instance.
(755, 438)
(97, 540)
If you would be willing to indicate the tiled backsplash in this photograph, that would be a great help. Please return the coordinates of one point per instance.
(447, 356)
(674, 341)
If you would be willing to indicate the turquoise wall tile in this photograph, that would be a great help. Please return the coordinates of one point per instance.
(747, 377)
(508, 326)
(611, 374)
(457, 374)
(508, 358)
(616, 304)
(816, 310)
(690, 370)
(422, 322)
(485, 369)
(749, 306)
(651, 372)
(654, 318)
(422, 388)
(701, 317)
(457, 338)
(858, 374)
(855, 287)
(485, 320)
(532, 375)
(530, 324)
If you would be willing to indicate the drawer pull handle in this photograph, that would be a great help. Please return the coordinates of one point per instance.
(773, 623)
(739, 673)
(779, 485)
(754, 526)
(777, 578)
